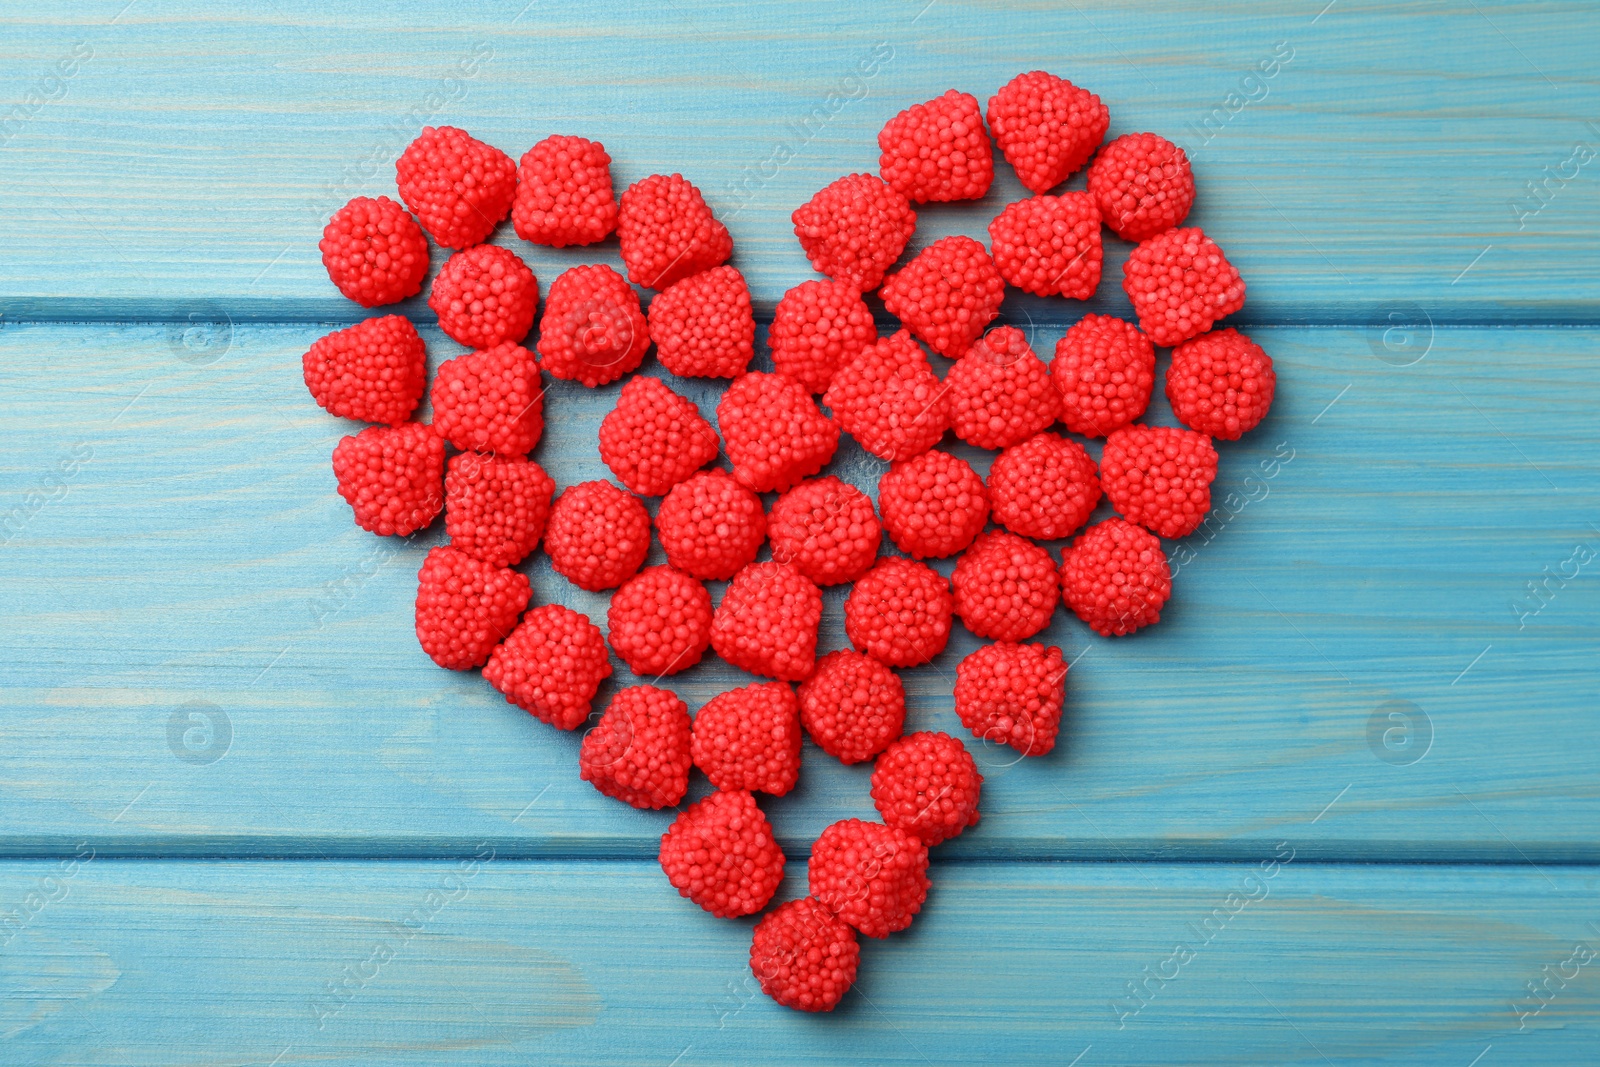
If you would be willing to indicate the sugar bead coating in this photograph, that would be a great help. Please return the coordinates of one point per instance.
(937, 150)
(1221, 383)
(667, 232)
(1049, 245)
(465, 607)
(703, 326)
(392, 477)
(947, 295)
(852, 705)
(593, 331)
(749, 738)
(774, 433)
(551, 665)
(720, 854)
(1104, 369)
(1159, 477)
(598, 535)
(854, 229)
(1115, 577)
(484, 296)
(459, 187)
(1142, 184)
(827, 528)
(889, 399)
(899, 613)
(496, 507)
(934, 505)
(374, 371)
(872, 876)
(767, 622)
(374, 251)
(1180, 283)
(816, 328)
(1005, 587)
(653, 439)
(490, 401)
(1000, 392)
(803, 957)
(638, 752)
(1046, 127)
(564, 195)
(927, 784)
(1045, 487)
(1011, 694)
(659, 622)
(710, 526)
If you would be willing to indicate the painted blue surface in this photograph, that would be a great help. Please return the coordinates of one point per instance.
(227, 773)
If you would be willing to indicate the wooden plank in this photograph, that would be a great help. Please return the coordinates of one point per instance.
(195, 551)
(1419, 156)
(496, 962)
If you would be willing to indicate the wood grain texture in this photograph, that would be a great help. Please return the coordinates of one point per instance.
(194, 157)
(201, 554)
(497, 962)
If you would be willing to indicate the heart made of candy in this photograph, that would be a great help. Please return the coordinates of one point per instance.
(472, 606)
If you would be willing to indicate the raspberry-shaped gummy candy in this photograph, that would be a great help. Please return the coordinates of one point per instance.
(1045, 487)
(485, 295)
(496, 507)
(819, 326)
(638, 752)
(852, 705)
(660, 622)
(1046, 127)
(1005, 587)
(1142, 184)
(854, 229)
(947, 295)
(490, 401)
(827, 528)
(873, 876)
(927, 784)
(749, 738)
(667, 232)
(1159, 477)
(466, 607)
(653, 439)
(889, 399)
(1221, 383)
(1104, 369)
(374, 251)
(598, 535)
(374, 371)
(703, 326)
(1000, 392)
(899, 613)
(934, 505)
(767, 622)
(564, 193)
(1180, 283)
(551, 666)
(459, 187)
(775, 435)
(803, 957)
(937, 150)
(1011, 694)
(720, 854)
(710, 526)
(1049, 245)
(1115, 577)
(391, 477)
(593, 330)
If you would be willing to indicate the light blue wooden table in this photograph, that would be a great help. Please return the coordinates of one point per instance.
(230, 782)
